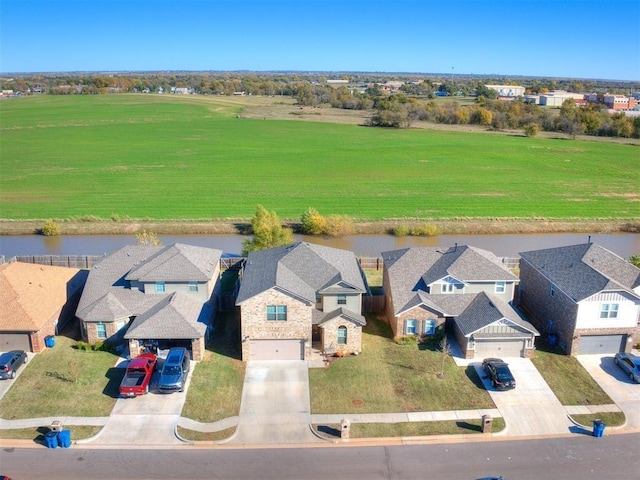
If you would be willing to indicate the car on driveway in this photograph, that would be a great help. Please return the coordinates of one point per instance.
(498, 372)
(630, 364)
(173, 375)
(10, 362)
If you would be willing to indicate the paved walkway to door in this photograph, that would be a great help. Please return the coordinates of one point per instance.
(276, 405)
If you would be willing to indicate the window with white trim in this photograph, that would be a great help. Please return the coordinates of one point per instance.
(101, 330)
(342, 335)
(342, 299)
(446, 287)
(277, 313)
(193, 286)
(411, 327)
(609, 310)
(160, 287)
(500, 287)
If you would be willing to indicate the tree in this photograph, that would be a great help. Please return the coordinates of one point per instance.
(268, 232)
(445, 351)
(531, 129)
(50, 229)
(635, 260)
(148, 238)
(313, 223)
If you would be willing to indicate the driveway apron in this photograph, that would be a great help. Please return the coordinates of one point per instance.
(275, 405)
(531, 408)
(145, 420)
(616, 384)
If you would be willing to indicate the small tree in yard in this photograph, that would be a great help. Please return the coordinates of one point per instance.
(268, 232)
(445, 351)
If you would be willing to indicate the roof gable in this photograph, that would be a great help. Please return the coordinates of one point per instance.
(485, 310)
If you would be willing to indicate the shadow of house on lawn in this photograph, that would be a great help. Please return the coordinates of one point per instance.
(225, 339)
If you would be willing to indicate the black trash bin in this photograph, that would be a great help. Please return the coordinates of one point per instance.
(598, 428)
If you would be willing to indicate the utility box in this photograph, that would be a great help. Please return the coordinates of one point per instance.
(345, 431)
(56, 426)
(487, 423)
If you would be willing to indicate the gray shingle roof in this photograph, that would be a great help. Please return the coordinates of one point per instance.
(177, 263)
(410, 270)
(176, 316)
(583, 270)
(486, 309)
(301, 269)
(320, 317)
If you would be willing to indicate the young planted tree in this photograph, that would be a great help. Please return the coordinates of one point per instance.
(445, 351)
(268, 232)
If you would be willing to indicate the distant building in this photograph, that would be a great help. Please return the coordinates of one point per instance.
(619, 102)
(507, 91)
(556, 98)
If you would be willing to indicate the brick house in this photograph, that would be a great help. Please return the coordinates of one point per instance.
(583, 296)
(161, 296)
(462, 290)
(300, 297)
(35, 301)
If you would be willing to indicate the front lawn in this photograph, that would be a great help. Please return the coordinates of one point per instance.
(64, 381)
(388, 377)
(568, 379)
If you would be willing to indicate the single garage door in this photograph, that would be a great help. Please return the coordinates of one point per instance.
(499, 348)
(14, 341)
(597, 344)
(277, 350)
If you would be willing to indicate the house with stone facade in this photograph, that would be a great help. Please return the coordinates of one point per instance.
(36, 301)
(146, 295)
(299, 298)
(462, 291)
(584, 297)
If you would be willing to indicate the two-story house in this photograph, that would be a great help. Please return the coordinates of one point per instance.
(583, 296)
(300, 297)
(164, 296)
(465, 290)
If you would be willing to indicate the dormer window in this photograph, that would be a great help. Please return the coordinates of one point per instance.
(446, 287)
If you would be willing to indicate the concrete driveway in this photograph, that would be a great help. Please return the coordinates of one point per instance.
(146, 420)
(275, 405)
(531, 408)
(616, 384)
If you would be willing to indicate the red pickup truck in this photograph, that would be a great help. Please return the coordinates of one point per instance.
(138, 375)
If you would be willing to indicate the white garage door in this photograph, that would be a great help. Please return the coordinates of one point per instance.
(277, 350)
(499, 348)
(14, 341)
(596, 344)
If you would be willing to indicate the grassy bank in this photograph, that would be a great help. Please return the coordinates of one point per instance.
(163, 157)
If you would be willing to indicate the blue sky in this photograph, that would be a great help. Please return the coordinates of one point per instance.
(552, 38)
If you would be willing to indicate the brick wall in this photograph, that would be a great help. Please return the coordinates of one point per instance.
(354, 335)
(419, 313)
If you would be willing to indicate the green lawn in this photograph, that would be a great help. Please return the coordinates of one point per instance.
(388, 377)
(163, 157)
(63, 381)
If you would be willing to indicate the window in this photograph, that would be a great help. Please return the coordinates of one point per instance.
(446, 287)
(500, 287)
(342, 335)
(411, 327)
(277, 313)
(342, 299)
(609, 310)
(193, 287)
(101, 330)
(429, 327)
(159, 287)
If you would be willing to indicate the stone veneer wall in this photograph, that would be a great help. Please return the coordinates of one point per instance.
(255, 326)
(330, 335)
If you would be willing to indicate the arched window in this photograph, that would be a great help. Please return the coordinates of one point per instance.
(342, 335)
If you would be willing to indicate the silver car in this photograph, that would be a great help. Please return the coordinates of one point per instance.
(630, 364)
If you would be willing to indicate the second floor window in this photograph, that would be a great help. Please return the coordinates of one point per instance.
(159, 287)
(342, 299)
(193, 287)
(446, 287)
(500, 287)
(277, 313)
(609, 310)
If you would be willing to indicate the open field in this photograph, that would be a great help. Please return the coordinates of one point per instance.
(187, 157)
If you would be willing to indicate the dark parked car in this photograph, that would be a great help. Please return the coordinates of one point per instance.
(499, 373)
(630, 364)
(10, 362)
(173, 375)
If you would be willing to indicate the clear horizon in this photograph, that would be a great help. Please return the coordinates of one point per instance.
(577, 39)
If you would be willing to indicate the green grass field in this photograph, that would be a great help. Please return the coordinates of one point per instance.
(174, 157)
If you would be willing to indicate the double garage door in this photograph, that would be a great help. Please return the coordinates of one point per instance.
(277, 350)
(599, 344)
(499, 348)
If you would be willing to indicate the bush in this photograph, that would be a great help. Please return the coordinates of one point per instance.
(313, 223)
(338, 225)
(427, 229)
(407, 340)
(401, 230)
(531, 129)
(50, 229)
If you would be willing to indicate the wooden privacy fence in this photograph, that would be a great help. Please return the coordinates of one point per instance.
(71, 261)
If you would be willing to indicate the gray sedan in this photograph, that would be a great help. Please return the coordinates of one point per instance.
(630, 364)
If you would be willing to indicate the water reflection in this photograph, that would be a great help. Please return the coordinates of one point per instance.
(624, 244)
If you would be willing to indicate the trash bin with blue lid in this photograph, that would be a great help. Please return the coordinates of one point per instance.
(50, 341)
(51, 439)
(64, 438)
(598, 428)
